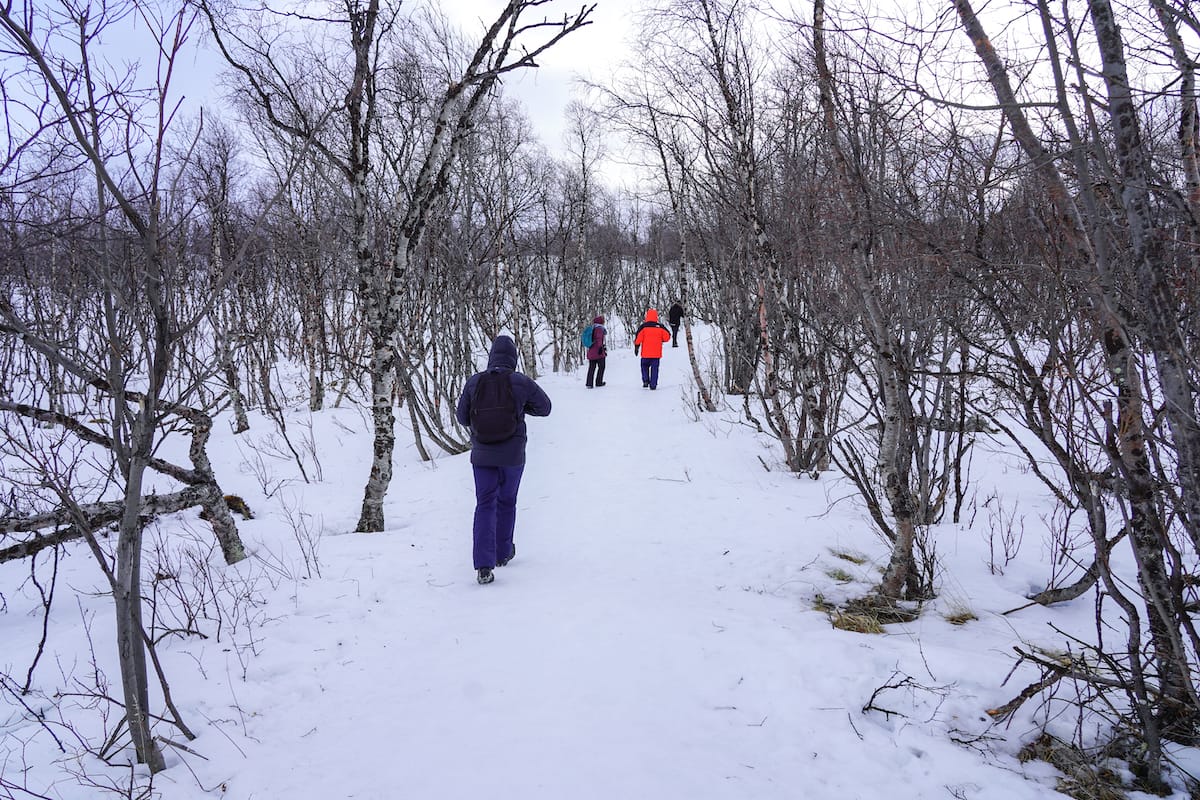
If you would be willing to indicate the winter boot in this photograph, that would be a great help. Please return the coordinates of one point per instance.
(504, 561)
(485, 576)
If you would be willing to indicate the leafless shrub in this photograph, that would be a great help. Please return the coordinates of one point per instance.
(254, 461)
(306, 536)
(1005, 532)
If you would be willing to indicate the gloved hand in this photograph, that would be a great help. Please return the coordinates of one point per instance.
(635, 349)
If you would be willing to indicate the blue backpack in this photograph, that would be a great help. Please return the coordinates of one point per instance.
(586, 336)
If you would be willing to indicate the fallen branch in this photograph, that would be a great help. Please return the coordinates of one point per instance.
(202, 490)
(179, 746)
(1052, 673)
(97, 515)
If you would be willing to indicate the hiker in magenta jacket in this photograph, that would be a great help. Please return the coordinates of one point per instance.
(649, 340)
(498, 466)
(597, 353)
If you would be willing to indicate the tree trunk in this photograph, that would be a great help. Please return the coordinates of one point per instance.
(215, 507)
(222, 321)
(384, 420)
(1161, 314)
(895, 456)
(131, 649)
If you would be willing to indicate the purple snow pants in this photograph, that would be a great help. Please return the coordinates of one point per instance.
(650, 372)
(495, 513)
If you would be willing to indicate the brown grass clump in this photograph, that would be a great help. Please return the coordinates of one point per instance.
(850, 555)
(236, 505)
(882, 609)
(856, 623)
(960, 617)
(840, 575)
(1083, 778)
(865, 614)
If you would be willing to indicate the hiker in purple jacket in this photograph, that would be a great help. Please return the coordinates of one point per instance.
(498, 465)
(597, 353)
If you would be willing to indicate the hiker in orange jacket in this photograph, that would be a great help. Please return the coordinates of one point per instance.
(649, 340)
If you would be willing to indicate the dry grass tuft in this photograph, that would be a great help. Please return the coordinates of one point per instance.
(865, 614)
(840, 575)
(1084, 779)
(856, 623)
(849, 555)
(882, 609)
(960, 616)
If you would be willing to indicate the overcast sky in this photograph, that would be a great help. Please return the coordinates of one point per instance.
(593, 52)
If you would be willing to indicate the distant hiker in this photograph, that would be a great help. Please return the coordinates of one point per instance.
(649, 340)
(597, 352)
(675, 316)
(493, 405)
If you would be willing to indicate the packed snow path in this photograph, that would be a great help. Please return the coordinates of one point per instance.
(653, 637)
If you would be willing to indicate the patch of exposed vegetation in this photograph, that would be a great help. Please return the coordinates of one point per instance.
(840, 575)
(882, 609)
(856, 623)
(1082, 778)
(865, 614)
(960, 616)
(849, 555)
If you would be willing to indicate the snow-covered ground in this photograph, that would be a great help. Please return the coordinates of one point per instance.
(655, 636)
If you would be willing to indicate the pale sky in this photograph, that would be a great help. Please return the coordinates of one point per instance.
(593, 52)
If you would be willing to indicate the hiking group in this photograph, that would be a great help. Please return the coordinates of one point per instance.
(493, 406)
(647, 342)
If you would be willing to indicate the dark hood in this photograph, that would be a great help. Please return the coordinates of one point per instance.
(503, 353)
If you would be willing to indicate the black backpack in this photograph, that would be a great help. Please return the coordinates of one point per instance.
(494, 415)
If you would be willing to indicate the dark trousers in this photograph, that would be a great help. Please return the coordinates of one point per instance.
(596, 369)
(495, 513)
(650, 372)
(674, 334)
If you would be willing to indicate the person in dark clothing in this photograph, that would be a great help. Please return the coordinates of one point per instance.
(675, 316)
(597, 353)
(498, 465)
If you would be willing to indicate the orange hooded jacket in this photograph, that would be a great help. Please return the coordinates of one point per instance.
(651, 336)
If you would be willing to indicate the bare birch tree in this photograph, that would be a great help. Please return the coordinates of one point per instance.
(1122, 271)
(137, 278)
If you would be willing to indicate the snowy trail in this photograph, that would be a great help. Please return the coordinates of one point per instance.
(653, 637)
